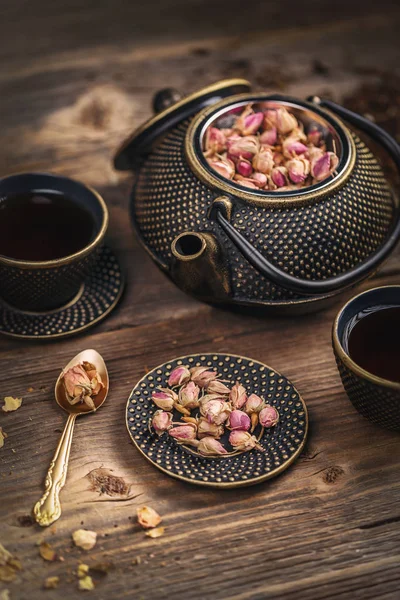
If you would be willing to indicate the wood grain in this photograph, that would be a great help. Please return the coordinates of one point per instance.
(75, 80)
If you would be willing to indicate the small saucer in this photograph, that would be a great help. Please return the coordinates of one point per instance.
(281, 444)
(97, 297)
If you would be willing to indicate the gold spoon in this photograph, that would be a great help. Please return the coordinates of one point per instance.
(48, 509)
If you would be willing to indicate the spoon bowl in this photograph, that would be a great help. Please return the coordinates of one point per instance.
(96, 359)
(48, 508)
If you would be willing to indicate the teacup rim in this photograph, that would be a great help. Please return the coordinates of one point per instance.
(57, 262)
(344, 356)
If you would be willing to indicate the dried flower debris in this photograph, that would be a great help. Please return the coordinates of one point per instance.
(155, 533)
(3, 436)
(47, 552)
(84, 538)
(51, 583)
(9, 565)
(265, 148)
(86, 583)
(5, 595)
(11, 404)
(219, 412)
(82, 382)
(147, 517)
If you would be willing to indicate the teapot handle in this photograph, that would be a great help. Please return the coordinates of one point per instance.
(331, 284)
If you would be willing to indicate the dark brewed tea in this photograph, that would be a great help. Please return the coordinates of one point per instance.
(374, 342)
(42, 225)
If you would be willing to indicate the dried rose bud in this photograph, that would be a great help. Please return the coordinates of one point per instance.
(243, 440)
(161, 422)
(315, 153)
(314, 136)
(279, 159)
(215, 141)
(259, 179)
(209, 446)
(334, 161)
(254, 404)
(202, 377)
(268, 416)
(184, 433)
(285, 121)
(188, 395)
(244, 148)
(238, 395)
(279, 176)
(320, 167)
(244, 168)
(324, 165)
(246, 182)
(293, 147)
(249, 122)
(270, 118)
(178, 376)
(269, 137)
(217, 387)
(222, 165)
(215, 411)
(298, 169)
(205, 429)
(227, 132)
(233, 137)
(164, 398)
(263, 161)
(77, 382)
(239, 420)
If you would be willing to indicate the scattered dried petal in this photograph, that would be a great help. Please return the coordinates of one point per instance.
(47, 552)
(86, 583)
(82, 570)
(11, 404)
(155, 533)
(51, 583)
(83, 538)
(5, 595)
(3, 436)
(148, 517)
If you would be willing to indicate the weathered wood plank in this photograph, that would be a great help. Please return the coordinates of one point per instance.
(329, 526)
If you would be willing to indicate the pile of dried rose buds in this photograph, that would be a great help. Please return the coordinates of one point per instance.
(268, 150)
(218, 409)
(82, 382)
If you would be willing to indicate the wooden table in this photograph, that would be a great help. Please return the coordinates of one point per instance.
(74, 81)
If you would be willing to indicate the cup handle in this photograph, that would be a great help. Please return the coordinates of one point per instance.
(331, 284)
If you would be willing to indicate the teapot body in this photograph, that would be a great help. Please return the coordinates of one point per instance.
(312, 236)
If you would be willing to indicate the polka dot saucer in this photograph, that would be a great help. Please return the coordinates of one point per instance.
(97, 297)
(282, 444)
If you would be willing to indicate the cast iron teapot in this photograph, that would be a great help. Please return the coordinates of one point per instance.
(223, 243)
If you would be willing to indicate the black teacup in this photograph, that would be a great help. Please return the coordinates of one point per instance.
(366, 343)
(51, 230)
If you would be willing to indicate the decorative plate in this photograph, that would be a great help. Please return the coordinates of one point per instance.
(282, 444)
(96, 298)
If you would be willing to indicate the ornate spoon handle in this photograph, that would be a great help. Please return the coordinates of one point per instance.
(48, 509)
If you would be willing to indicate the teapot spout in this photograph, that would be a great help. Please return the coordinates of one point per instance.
(199, 266)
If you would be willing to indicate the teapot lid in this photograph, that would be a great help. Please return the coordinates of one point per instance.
(142, 139)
